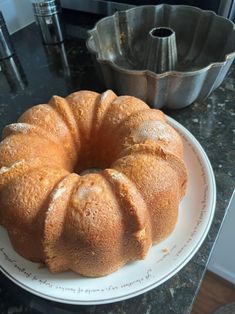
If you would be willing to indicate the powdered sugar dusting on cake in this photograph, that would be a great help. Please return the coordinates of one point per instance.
(20, 127)
(42, 108)
(84, 191)
(104, 96)
(12, 166)
(58, 192)
(55, 195)
(25, 128)
(8, 145)
(118, 101)
(151, 130)
(122, 179)
(118, 176)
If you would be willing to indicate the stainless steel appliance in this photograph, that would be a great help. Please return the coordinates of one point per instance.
(47, 13)
(6, 48)
(225, 8)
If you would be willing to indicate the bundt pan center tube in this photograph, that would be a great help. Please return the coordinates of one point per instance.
(91, 223)
(161, 53)
(174, 67)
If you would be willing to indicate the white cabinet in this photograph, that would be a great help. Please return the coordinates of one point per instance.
(222, 261)
(17, 13)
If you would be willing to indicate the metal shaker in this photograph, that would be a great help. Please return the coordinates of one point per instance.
(48, 17)
(6, 48)
(14, 73)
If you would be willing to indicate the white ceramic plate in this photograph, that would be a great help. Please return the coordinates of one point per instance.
(163, 261)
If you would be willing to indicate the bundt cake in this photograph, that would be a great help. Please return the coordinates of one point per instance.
(93, 222)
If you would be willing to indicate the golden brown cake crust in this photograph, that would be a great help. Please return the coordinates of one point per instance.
(94, 223)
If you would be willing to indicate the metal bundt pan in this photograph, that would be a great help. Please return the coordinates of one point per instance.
(182, 62)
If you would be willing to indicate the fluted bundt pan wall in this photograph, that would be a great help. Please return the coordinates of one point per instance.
(205, 50)
(93, 223)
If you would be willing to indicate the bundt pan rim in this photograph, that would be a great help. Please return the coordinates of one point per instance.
(171, 74)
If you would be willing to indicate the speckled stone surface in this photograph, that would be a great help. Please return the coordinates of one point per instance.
(52, 71)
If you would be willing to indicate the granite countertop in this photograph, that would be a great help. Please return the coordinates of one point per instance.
(43, 71)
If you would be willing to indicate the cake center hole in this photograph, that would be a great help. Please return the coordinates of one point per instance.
(90, 170)
(161, 32)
